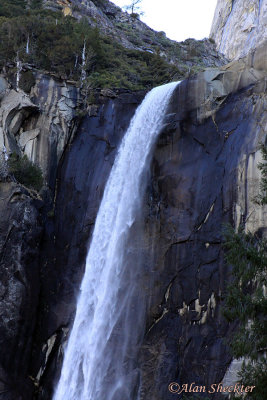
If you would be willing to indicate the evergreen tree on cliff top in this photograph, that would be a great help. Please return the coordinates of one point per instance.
(247, 299)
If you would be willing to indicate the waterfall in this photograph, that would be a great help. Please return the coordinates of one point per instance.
(76, 62)
(27, 45)
(4, 163)
(100, 357)
(19, 68)
(83, 73)
(5, 153)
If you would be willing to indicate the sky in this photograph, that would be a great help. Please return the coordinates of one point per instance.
(179, 19)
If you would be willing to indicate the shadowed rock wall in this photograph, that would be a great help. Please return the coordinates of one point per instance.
(81, 180)
(20, 237)
(204, 175)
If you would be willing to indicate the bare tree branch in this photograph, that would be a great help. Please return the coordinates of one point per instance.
(133, 7)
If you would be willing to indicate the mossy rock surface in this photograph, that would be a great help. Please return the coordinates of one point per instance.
(25, 172)
(27, 81)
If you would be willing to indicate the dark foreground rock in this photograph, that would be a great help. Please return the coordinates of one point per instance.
(20, 235)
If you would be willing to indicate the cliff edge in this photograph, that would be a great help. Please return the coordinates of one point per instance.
(239, 26)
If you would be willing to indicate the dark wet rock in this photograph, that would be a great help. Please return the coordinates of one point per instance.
(20, 234)
(202, 178)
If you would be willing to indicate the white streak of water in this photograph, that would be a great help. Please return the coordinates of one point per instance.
(28, 45)
(83, 73)
(19, 68)
(100, 355)
(5, 153)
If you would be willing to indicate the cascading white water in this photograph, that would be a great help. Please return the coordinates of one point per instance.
(19, 68)
(5, 153)
(83, 72)
(99, 358)
(28, 45)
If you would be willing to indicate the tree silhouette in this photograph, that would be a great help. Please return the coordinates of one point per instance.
(134, 7)
(246, 299)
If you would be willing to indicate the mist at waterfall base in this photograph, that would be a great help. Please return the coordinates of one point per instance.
(100, 358)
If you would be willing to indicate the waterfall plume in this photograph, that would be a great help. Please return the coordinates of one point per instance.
(99, 360)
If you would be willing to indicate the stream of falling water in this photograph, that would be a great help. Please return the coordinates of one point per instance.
(99, 360)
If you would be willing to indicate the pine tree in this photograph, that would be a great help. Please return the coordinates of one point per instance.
(35, 4)
(262, 197)
(246, 299)
(10, 8)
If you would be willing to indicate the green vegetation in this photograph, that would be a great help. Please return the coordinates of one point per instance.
(12, 8)
(246, 299)
(27, 80)
(134, 8)
(25, 172)
(262, 197)
(56, 42)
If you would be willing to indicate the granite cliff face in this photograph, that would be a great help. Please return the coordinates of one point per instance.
(239, 26)
(213, 151)
(21, 232)
(39, 126)
(204, 173)
(42, 261)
